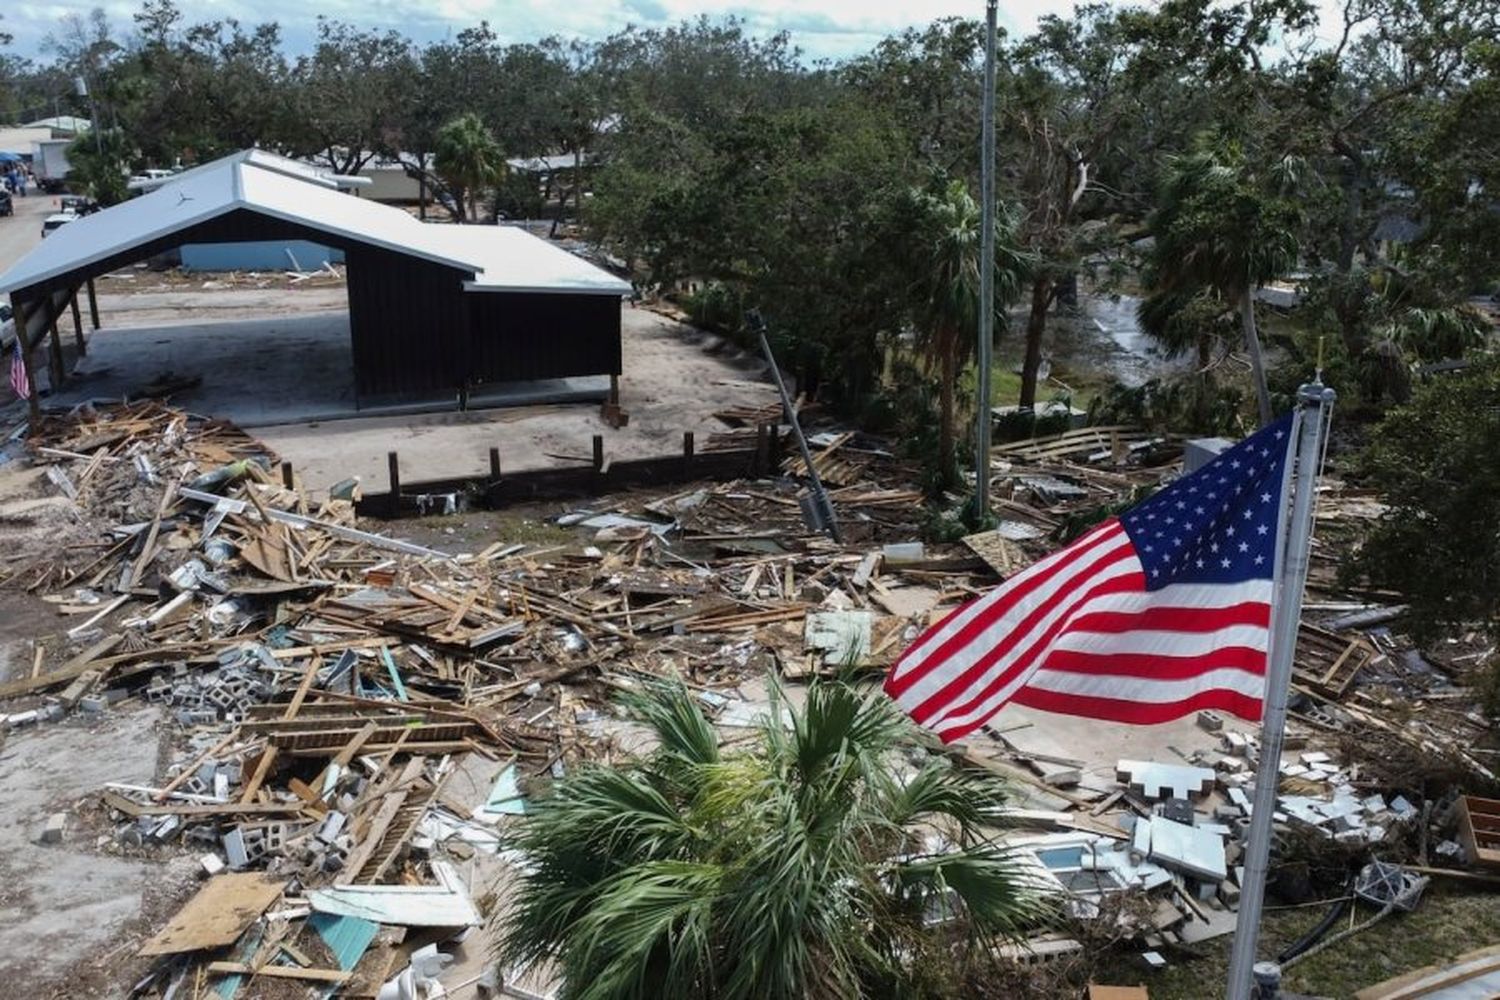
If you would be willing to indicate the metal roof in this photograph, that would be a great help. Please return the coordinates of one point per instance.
(500, 258)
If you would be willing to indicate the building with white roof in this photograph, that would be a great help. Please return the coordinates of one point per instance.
(432, 307)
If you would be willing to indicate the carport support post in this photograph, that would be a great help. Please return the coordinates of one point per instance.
(598, 452)
(77, 324)
(494, 464)
(93, 306)
(55, 358)
(614, 390)
(395, 469)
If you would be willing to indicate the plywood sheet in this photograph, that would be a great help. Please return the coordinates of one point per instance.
(217, 915)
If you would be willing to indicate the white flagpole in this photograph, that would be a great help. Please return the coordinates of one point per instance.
(1314, 402)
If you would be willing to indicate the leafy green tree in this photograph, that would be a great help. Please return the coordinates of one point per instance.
(944, 243)
(468, 157)
(1439, 543)
(100, 164)
(810, 863)
(1219, 228)
(352, 94)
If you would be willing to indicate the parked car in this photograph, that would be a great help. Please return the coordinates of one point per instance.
(7, 207)
(77, 204)
(56, 221)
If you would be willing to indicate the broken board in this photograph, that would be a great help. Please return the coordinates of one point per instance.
(217, 915)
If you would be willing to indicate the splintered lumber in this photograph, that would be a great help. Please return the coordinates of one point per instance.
(281, 972)
(371, 840)
(116, 801)
(308, 677)
(64, 674)
(258, 777)
(217, 915)
(339, 530)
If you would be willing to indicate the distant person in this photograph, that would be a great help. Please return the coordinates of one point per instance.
(21, 182)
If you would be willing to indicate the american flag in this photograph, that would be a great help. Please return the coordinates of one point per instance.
(1159, 612)
(18, 383)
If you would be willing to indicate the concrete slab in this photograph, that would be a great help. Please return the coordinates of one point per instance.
(670, 385)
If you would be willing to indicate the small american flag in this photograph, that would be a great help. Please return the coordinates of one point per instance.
(1150, 616)
(18, 383)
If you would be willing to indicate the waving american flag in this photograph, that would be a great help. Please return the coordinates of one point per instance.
(18, 383)
(1160, 612)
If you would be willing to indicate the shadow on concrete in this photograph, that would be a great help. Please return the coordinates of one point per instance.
(277, 370)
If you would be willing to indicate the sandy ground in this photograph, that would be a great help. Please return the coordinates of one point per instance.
(62, 902)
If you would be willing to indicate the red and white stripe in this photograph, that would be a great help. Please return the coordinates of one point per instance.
(1079, 633)
(18, 382)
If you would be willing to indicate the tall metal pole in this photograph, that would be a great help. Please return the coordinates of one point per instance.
(1315, 403)
(986, 272)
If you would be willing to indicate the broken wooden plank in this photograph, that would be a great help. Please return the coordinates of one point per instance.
(217, 915)
(281, 972)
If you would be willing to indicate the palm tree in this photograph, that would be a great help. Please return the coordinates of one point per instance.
(811, 863)
(1219, 228)
(467, 156)
(943, 234)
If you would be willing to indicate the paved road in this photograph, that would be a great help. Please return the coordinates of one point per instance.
(23, 230)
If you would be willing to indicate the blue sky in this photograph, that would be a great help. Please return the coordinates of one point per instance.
(822, 28)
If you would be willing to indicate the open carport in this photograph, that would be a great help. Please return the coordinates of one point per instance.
(437, 315)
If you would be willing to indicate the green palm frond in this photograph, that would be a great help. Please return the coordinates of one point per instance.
(648, 934)
(780, 869)
(681, 728)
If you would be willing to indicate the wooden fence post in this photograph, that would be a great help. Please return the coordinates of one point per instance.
(395, 470)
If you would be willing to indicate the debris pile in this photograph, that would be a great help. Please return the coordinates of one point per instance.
(356, 717)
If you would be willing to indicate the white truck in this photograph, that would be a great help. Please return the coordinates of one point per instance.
(49, 163)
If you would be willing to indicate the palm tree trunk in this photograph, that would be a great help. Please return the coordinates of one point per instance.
(1036, 326)
(1257, 362)
(945, 407)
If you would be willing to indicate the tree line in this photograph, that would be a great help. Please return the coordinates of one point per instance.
(1187, 152)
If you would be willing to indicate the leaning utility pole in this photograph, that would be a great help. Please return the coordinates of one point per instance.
(986, 273)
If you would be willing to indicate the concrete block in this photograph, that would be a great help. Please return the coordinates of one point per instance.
(333, 824)
(211, 864)
(57, 825)
(1211, 722)
(236, 850)
(93, 703)
(114, 696)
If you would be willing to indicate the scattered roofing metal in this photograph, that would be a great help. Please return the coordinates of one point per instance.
(346, 937)
(445, 905)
